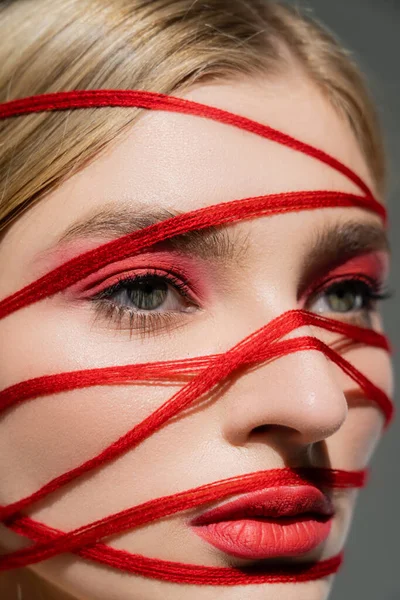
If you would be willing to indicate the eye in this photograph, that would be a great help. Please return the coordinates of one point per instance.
(145, 293)
(349, 298)
(344, 296)
(147, 300)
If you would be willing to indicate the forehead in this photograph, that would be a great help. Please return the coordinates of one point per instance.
(182, 162)
(191, 161)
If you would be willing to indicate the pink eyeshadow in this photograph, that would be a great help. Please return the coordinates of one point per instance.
(374, 266)
(63, 253)
(193, 271)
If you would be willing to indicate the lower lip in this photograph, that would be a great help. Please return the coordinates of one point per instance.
(269, 538)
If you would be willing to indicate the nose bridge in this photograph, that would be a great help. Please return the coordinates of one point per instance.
(298, 391)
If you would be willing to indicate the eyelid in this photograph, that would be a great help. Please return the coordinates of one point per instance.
(328, 283)
(123, 282)
(371, 267)
(180, 287)
(190, 271)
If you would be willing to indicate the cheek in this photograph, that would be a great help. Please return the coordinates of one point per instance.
(50, 435)
(353, 445)
(56, 337)
(47, 436)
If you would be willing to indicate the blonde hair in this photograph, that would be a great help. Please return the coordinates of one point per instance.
(158, 45)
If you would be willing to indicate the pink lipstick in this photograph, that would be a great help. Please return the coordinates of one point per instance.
(277, 522)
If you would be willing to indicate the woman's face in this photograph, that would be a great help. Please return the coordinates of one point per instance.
(193, 296)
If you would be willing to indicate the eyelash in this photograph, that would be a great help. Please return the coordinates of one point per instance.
(151, 323)
(371, 290)
(144, 323)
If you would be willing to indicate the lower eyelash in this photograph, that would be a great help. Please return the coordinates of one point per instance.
(144, 324)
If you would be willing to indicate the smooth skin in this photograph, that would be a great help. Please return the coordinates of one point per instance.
(296, 411)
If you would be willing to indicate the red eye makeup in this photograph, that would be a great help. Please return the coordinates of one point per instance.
(149, 292)
(372, 267)
(191, 272)
(351, 290)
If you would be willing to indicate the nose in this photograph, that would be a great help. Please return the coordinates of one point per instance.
(297, 396)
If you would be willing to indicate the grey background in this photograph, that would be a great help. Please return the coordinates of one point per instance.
(371, 29)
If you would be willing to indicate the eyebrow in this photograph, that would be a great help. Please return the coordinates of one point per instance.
(331, 246)
(111, 223)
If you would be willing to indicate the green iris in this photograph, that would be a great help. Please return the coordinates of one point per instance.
(147, 294)
(344, 299)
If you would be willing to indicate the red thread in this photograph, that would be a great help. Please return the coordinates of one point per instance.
(168, 505)
(220, 214)
(201, 374)
(221, 368)
(183, 573)
(156, 101)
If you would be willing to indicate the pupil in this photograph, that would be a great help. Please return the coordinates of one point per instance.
(148, 294)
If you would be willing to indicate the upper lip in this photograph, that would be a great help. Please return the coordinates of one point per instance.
(273, 503)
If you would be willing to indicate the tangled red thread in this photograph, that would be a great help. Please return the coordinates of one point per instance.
(205, 372)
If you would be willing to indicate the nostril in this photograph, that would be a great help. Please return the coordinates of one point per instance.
(273, 431)
(262, 429)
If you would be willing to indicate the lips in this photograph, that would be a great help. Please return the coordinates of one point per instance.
(277, 522)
